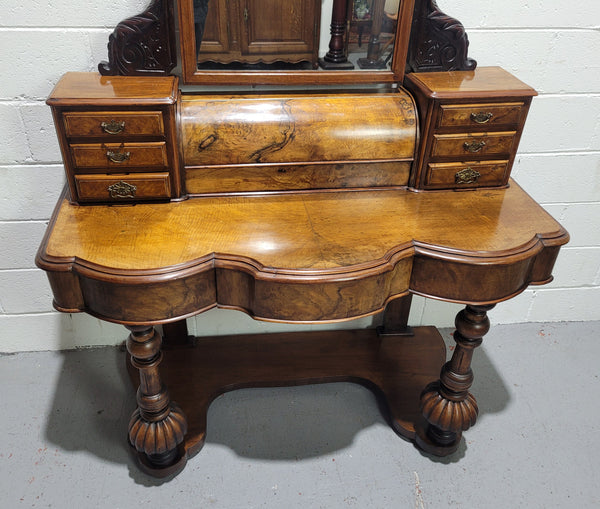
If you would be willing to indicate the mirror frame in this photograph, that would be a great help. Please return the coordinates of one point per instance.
(192, 76)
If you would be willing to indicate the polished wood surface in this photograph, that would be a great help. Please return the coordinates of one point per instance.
(79, 88)
(235, 143)
(482, 82)
(272, 232)
(109, 127)
(138, 186)
(139, 123)
(294, 177)
(147, 156)
(473, 145)
(444, 175)
(466, 118)
(228, 129)
(297, 257)
(494, 114)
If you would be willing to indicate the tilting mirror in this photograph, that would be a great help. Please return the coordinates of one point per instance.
(305, 41)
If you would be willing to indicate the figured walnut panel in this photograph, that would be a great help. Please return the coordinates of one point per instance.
(139, 123)
(220, 130)
(481, 114)
(471, 247)
(134, 155)
(472, 144)
(283, 177)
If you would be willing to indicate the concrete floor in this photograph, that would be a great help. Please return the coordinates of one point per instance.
(536, 443)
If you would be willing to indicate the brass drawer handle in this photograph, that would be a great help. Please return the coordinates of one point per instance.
(466, 176)
(474, 146)
(117, 157)
(122, 189)
(481, 117)
(113, 127)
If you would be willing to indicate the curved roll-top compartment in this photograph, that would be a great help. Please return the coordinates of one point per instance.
(273, 143)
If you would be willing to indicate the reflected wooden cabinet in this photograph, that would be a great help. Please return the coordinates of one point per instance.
(239, 31)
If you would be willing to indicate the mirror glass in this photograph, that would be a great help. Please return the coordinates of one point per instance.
(295, 35)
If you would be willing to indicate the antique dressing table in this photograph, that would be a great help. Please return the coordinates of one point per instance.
(307, 199)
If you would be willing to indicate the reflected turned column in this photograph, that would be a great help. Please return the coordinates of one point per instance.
(158, 425)
(373, 59)
(447, 405)
(336, 56)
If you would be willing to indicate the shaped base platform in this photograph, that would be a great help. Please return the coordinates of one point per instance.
(397, 368)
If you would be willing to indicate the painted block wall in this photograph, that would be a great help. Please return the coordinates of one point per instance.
(550, 44)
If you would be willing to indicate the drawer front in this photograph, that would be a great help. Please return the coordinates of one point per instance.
(114, 123)
(484, 115)
(472, 145)
(120, 156)
(237, 179)
(466, 175)
(119, 188)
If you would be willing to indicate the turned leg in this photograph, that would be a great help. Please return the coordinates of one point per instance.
(158, 426)
(447, 405)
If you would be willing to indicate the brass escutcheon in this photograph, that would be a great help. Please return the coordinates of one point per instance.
(474, 146)
(466, 176)
(481, 117)
(113, 127)
(117, 157)
(122, 189)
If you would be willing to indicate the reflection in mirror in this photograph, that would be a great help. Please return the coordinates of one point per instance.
(295, 34)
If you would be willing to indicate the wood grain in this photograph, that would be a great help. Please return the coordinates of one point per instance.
(303, 128)
(298, 257)
(397, 368)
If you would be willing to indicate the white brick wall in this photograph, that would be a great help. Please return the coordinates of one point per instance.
(549, 44)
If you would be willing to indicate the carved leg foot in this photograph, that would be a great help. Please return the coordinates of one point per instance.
(158, 426)
(447, 405)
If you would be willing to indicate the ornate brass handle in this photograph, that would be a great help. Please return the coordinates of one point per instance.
(481, 117)
(122, 189)
(117, 157)
(466, 176)
(474, 146)
(113, 127)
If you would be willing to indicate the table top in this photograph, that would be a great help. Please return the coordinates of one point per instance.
(318, 238)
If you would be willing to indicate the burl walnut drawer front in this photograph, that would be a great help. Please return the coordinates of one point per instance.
(119, 156)
(480, 115)
(463, 145)
(118, 188)
(466, 175)
(114, 123)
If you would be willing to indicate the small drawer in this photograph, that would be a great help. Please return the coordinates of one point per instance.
(235, 179)
(484, 115)
(466, 175)
(118, 188)
(120, 156)
(472, 145)
(114, 123)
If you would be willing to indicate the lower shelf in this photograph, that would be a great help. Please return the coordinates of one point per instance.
(397, 368)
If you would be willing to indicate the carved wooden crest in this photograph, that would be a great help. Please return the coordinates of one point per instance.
(438, 42)
(143, 44)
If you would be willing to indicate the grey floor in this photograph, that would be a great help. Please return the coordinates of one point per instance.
(536, 443)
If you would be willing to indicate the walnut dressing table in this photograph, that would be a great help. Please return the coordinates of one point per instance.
(301, 206)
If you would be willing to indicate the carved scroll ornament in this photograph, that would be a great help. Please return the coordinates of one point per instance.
(143, 44)
(438, 42)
